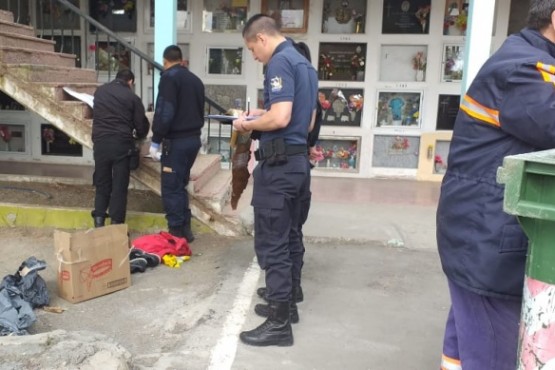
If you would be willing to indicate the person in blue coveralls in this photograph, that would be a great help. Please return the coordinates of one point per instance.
(508, 109)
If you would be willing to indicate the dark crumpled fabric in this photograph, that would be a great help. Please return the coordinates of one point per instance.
(19, 294)
(16, 314)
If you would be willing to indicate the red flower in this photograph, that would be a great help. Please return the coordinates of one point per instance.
(5, 133)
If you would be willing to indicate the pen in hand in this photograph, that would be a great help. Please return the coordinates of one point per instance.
(248, 106)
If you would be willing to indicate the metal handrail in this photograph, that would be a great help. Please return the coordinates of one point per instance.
(211, 105)
(133, 49)
(107, 31)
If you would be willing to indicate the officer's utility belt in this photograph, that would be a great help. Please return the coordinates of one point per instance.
(275, 152)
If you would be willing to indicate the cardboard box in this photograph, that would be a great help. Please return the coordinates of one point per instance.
(93, 262)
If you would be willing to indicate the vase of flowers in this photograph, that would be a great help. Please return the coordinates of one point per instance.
(327, 68)
(419, 65)
(48, 135)
(358, 64)
(439, 165)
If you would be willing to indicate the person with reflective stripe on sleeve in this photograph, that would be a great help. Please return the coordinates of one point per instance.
(282, 176)
(508, 109)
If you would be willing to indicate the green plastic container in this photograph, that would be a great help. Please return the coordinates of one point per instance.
(530, 195)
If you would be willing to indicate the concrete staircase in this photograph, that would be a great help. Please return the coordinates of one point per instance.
(34, 75)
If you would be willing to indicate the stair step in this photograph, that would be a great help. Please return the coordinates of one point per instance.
(16, 28)
(6, 16)
(56, 89)
(87, 122)
(217, 192)
(16, 55)
(205, 167)
(77, 109)
(26, 42)
(49, 73)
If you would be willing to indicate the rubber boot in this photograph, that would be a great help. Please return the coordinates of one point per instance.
(275, 331)
(297, 292)
(264, 309)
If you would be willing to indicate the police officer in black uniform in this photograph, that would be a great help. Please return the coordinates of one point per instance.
(118, 119)
(178, 122)
(282, 174)
(298, 258)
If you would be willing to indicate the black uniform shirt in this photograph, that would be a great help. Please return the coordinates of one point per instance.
(117, 111)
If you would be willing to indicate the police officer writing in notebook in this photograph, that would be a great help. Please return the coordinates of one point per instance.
(281, 176)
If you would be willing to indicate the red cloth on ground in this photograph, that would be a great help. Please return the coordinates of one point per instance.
(161, 244)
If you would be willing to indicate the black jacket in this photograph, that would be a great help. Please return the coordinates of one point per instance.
(117, 112)
(179, 106)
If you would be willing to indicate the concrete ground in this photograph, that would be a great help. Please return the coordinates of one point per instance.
(375, 296)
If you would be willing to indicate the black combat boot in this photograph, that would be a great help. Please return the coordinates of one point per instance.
(275, 331)
(187, 232)
(297, 292)
(264, 309)
(176, 231)
(99, 221)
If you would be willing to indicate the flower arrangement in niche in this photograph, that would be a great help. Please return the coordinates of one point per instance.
(461, 21)
(327, 68)
(419, 61)
(237, 62)
(438, 160)
(400, 143)
(423, 14)
(455, 21)
(48, 135)
(338, 155)
(356, 102)
(439, 164)
(358, 61)
(324, 103)
(5, 133)
(358, 64)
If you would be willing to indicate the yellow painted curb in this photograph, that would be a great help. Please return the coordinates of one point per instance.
(12, 215)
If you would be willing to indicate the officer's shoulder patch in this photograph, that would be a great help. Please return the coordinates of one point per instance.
(276, 84)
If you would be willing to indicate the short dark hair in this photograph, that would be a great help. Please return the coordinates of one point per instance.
(173, 53)
(539, 15)
(260, 23)
(126, 75)
(303, 49)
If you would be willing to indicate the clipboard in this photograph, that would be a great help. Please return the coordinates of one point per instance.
(227, 119)
(223, 118)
